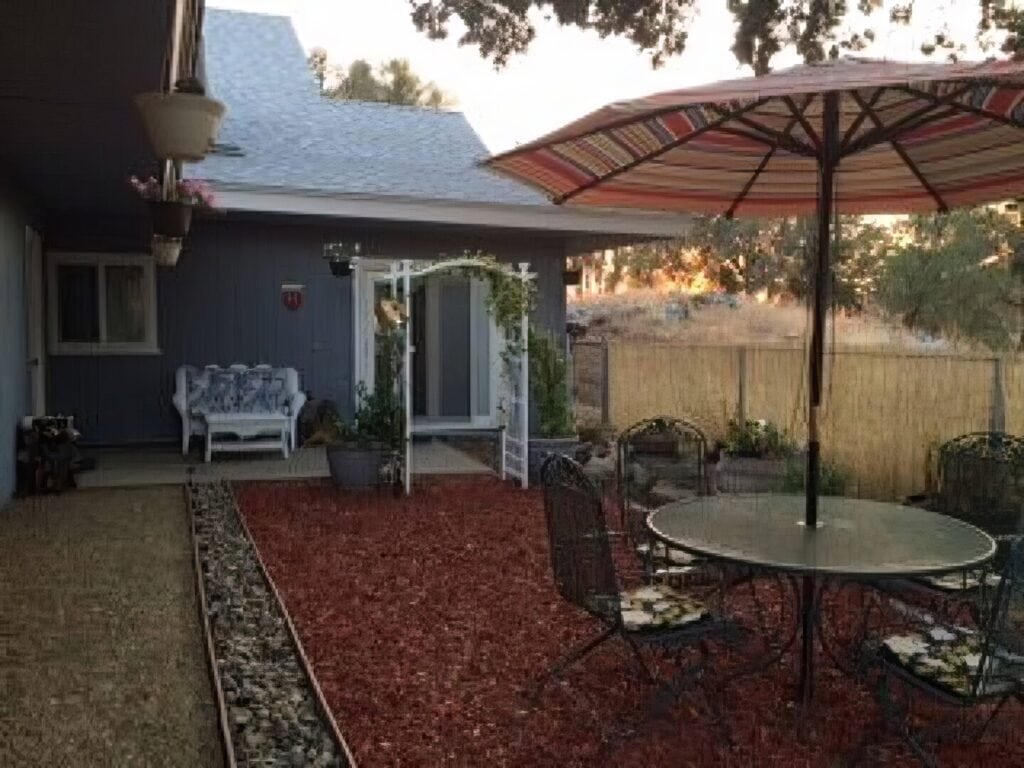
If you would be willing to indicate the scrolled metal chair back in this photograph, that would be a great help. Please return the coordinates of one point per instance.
(662, 450)
(581, 554)
(981, 481)
(1004, 631)
(1008, 607)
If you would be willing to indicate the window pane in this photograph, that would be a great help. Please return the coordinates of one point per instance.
(126, 308)
(78, 303)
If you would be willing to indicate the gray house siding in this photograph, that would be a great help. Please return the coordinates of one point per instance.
(222, 304)
(13, 377)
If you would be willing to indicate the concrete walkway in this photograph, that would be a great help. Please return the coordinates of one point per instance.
(101, 657)
(126, 468)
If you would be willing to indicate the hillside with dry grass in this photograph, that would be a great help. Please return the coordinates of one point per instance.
(736, 319)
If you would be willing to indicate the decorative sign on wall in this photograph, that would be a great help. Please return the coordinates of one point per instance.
(291, 295)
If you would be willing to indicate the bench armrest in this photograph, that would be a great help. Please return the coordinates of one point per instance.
(295, 403)
(179, 403)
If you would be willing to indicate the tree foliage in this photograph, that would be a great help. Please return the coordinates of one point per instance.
(772, 255)
(953, 280)
(392, 82)
(817, 29)
(317, 61)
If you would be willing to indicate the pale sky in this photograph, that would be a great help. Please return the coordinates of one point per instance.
(567, 72)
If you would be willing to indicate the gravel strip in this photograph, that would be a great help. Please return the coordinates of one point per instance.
(271, 706)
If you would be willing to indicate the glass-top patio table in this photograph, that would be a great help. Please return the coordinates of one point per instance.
(854, 538)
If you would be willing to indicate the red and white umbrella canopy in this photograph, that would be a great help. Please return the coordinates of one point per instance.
(914, 138)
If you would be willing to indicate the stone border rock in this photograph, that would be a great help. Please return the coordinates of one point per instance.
(276, 713)
(227, 747)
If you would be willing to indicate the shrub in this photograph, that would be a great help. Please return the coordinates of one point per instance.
(833, 481)
(757, 439)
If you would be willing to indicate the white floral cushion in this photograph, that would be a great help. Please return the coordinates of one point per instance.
(962, 581)
(949, 657)
(657, 607)
(660, 554)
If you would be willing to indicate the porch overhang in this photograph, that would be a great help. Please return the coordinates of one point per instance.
(590, 223)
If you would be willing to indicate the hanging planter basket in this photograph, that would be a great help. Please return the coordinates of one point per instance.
(170, 218)
(341, 267)
(180, 126)
(166, 250)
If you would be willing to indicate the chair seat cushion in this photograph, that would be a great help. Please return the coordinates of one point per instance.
(658, 608)
(962, 581)
(659, 554)
(948, 657)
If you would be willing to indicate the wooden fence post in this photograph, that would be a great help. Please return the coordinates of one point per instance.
(997, 410)
(741, 393)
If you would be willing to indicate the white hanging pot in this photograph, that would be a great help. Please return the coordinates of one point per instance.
(166, 250)
(180, 126)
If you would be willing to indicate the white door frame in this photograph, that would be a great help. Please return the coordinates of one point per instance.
(35, 318)
(364, 275)
(364, 272)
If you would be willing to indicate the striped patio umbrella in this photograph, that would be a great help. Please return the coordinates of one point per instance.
(852, 136)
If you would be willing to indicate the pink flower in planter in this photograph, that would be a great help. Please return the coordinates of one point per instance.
(196, 192)
(189, 191)
(148, 189)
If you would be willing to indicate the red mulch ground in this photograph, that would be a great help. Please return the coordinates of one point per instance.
(426, 617)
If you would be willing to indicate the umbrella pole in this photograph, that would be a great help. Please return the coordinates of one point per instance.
(828, 159)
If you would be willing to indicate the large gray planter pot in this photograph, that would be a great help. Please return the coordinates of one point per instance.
(356, 466)
(740, 474)
(542, 447)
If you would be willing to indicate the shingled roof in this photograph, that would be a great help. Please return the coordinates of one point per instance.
(286, 149)
(289, 136)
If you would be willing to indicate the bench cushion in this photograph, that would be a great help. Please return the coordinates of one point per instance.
(224, 390)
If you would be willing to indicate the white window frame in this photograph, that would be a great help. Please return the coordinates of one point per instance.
(101, 261)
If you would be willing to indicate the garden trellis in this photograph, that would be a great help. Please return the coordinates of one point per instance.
(514, 390)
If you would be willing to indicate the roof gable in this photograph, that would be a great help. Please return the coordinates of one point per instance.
(289, 136)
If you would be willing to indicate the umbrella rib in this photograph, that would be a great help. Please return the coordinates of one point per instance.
(747, 135)
(855, 125)
(750, 183)
(873, 116)
(657, 152)
(774, 136)
(764, 163)
(798, 113)
(908, 122)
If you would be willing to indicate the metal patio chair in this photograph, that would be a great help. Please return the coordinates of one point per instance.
(958, 666)
(659, 460)
(652, 616)
(980, 481)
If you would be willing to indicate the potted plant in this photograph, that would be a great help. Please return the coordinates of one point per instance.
(181, 125)
(556, 429)
(171, 216)
(359, 454)
(753, 457)
(165, 250)
(340, 255)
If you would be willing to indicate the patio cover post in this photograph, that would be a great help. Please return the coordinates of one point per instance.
(407, 371)
(524, 383)
(828, 159)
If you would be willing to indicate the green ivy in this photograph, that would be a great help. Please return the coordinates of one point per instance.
(509, 298)
(549, 387)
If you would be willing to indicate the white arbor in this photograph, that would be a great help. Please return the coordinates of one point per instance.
(512, 379)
